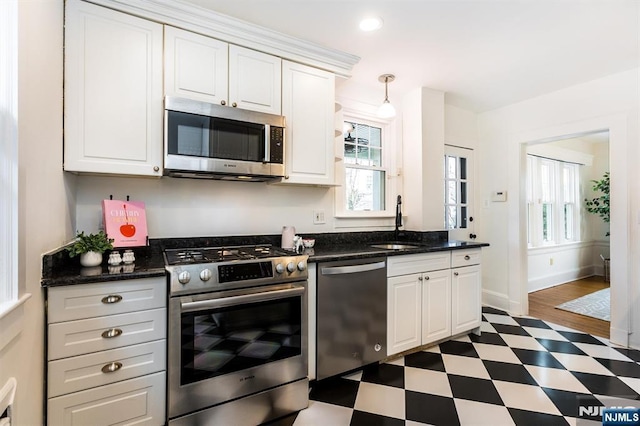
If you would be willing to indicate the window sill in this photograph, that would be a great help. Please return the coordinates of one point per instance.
(558, 247)
(381, 221)
(11, 318)
(366, 215)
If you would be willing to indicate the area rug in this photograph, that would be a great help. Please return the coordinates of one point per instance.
(596, 305)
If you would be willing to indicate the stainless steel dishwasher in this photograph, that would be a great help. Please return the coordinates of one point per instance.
(352, 315)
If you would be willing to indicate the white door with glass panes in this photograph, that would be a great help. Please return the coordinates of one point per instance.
(458, 193)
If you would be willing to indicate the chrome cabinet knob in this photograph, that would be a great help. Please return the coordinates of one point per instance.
(420, 278)
(234, 104)
(156, 168)
(223, 102)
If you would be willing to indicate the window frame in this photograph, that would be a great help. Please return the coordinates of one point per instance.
(554, 196)
(387, 158)
(8, 157)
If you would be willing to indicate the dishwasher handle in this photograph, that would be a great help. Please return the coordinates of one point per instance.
(351, 269)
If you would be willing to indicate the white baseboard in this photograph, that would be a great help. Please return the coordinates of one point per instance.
(553, 280)
(495, 300)
(619, 336)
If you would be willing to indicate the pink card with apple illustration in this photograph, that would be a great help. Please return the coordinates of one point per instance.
(125, 222)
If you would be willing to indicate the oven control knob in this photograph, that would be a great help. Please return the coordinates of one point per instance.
(302, 266)
(291, 267)
(279, 268)
(205, 274)
(184, 277)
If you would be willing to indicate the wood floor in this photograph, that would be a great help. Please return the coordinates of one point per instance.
(542, 305)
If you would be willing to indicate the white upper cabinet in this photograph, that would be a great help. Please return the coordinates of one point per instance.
(210, 70)
(112, 91)
(255, 80)
(308, 98)
(196, 66)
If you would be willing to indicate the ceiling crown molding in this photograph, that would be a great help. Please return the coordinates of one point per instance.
(213, 24)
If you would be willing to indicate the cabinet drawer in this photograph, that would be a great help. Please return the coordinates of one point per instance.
(416, 263)
(139, 401)
(99, 299)
(80, 337)
(465, 257)
(86, 371)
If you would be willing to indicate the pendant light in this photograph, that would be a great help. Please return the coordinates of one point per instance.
(386, 110)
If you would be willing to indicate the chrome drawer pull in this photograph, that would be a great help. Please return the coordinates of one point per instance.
(110, 334)
(467, 257)
(112, 367)
(112, 298)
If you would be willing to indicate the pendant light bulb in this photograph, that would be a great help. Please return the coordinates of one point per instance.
(386, 110)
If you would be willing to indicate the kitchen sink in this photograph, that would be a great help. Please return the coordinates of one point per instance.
(394, 246)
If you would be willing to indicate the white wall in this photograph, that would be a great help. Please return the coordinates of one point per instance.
(191, 207)
(45, 195)
(607, 103)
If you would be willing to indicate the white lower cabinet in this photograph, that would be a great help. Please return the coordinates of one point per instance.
(138, 401)
(107, 353)
(404, 310)
(428, 300)
(436, 305)
(466, 288)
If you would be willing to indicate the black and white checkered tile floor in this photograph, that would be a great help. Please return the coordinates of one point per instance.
(520, 371)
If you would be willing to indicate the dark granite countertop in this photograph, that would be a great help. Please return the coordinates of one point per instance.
(58, 269)
(323, 253)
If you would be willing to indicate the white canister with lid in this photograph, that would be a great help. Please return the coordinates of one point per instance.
(288, 232)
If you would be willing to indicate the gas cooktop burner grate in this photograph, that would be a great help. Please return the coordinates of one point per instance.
(220, 254)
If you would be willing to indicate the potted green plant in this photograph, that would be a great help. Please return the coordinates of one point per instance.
(90, 247)
(600, 205)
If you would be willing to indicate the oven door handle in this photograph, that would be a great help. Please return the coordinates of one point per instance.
(245, 298)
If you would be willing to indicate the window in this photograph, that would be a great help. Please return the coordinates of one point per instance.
(552, 201)
(365, 170)
(8, 154)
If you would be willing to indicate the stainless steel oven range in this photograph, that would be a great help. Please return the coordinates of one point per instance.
(237, 338)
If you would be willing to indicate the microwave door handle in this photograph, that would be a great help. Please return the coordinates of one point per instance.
(267, 143)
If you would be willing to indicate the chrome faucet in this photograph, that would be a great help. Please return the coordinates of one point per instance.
(398, 217)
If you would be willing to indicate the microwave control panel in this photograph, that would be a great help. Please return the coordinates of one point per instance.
(276, 148)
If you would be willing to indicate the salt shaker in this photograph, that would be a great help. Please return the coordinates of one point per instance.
(128, 257)
(114, 258)
(297, 243)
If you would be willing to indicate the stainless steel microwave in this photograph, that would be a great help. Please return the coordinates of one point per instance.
(203, 140)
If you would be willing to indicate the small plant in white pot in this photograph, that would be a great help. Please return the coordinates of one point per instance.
(90, 248)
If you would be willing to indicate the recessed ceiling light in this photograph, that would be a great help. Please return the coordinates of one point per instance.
(371, 24)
